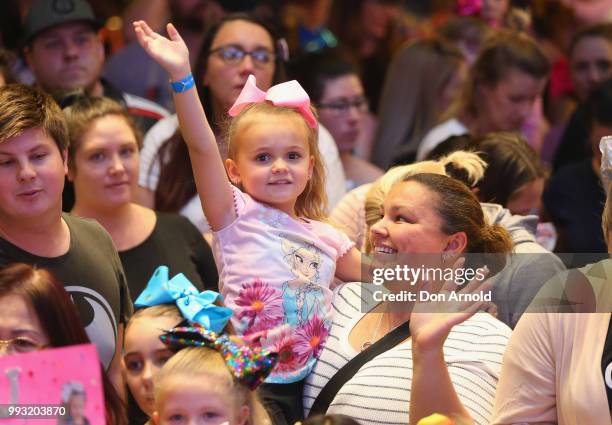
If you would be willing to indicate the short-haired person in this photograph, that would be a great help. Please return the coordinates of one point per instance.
(65, 53)
(33, 230)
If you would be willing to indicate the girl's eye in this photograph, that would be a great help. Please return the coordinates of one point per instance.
(294, 155)
(314, 265)
(210, 415)
(299, 258)
(176, 418)
(6, 162)
(263, 157)
(134, 365)
(401, 219)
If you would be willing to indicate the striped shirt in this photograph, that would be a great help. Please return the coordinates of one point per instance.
(379, 393)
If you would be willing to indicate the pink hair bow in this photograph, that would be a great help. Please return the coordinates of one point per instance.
(289, 94)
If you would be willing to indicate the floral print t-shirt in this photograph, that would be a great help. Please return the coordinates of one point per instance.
(275, 274)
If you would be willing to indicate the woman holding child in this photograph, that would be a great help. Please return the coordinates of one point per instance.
(421, 214)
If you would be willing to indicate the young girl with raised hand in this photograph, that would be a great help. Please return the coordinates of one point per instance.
(276, 259)
(211, 380)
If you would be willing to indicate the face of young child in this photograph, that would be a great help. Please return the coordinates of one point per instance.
(144, 355)
(189, 401)
(273, 161)
(31, 176)
(77, 406)
(106, 164)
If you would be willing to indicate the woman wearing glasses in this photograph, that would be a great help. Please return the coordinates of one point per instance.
(37, 313)
(237, 46)
(335, 88)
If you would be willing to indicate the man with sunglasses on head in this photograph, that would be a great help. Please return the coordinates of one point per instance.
(65, 53)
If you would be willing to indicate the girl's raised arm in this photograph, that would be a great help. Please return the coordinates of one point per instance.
(210, 177)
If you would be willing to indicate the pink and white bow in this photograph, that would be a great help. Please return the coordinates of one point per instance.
(289, 94)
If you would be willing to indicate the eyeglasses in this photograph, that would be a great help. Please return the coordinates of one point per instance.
(233, 55)
(21, 345)
(343, 106)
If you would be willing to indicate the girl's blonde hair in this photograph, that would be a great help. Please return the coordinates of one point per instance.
(193, 361)
(312, 202)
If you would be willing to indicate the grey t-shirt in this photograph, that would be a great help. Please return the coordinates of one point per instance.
(92, 273)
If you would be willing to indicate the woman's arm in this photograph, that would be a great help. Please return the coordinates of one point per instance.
(432, 390)
(210, 176)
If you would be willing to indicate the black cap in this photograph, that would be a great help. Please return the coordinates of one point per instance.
(44, 14)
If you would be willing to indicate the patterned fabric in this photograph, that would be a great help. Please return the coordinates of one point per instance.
(379, 393)
(249, 365)
(275, 274)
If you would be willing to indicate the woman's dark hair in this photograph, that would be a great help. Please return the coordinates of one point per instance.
(460, 211)
(176, 182)
(314, 70)
(511, 164)
(58, 317)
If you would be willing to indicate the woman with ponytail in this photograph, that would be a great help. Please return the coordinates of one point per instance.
(432, 221)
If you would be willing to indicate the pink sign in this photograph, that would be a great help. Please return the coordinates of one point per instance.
(60, 386)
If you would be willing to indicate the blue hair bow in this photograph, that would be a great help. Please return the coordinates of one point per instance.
(196, 306)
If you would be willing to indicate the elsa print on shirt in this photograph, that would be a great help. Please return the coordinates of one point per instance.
(302, 296)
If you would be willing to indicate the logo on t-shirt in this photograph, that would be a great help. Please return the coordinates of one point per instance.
(608, 376)
(98, 319)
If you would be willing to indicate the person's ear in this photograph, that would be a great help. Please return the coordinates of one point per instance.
(457, 243)
(232, 171)
(244, 415)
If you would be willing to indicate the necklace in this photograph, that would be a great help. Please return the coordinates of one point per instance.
(368, 343)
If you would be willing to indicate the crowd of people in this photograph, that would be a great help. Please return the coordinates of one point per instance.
(208, 194)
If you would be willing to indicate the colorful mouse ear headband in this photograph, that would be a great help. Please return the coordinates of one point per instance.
(196, 306)
(289, 94)
(250, 366)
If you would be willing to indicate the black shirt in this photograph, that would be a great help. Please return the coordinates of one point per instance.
(175, 242)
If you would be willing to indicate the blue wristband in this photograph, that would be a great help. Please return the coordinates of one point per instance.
(182, 85)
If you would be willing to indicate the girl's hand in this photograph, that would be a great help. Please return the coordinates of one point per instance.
(431, 322)
(172, 54)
